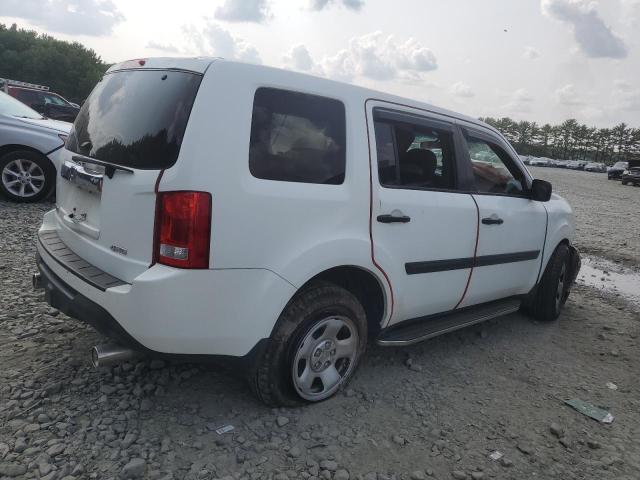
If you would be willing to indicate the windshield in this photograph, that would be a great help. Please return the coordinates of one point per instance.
(136, 118)
(620, 165)
(11, 106)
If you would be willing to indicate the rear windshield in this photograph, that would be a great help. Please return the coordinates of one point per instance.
(136, 118)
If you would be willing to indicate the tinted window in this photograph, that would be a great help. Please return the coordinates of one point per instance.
(297, 137)
(493, 169)
(414, 156)
(136, 118)
(29, 97)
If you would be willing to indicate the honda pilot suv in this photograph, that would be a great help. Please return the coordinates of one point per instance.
(208, 207)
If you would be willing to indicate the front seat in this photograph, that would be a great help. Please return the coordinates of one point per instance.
(418, 168)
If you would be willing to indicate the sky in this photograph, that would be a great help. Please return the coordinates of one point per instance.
(537, 60)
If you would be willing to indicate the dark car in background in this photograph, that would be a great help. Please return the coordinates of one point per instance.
(632, 174)
(615, 172)
(41, 99)
(595, 167)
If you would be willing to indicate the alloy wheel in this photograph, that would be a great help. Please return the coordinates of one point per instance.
(23, 178)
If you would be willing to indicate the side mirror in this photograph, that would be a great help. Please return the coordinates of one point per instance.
(540, 190)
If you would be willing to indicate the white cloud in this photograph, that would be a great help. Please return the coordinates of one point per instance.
(626, 96)
(567, 95)
(522, 95)
(243, 11)
(215, 41)
(594, 37)
(353, 4)
(531, 53)
(322, 4)
(298, 58)
(461, 89)
(73, 17)
(162, 47)
(519, 102)
(379, 57)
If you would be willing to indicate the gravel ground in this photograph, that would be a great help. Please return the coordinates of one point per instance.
(436, 410)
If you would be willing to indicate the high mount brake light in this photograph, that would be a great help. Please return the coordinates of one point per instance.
(183, 229)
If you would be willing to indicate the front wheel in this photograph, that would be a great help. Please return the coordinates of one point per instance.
(314, 349)
(26, 176)
(554, 287)
(624, 182)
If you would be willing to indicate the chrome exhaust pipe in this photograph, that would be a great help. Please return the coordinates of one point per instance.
(104, 355)
(36, 281)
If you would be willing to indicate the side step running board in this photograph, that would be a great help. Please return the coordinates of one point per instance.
(414, 331)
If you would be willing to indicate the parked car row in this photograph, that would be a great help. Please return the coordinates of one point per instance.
(598, 167)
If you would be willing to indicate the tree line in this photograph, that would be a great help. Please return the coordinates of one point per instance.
(69, 69)
(571, 140)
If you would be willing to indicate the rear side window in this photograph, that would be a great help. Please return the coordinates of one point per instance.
(296, 137)
(136, 118)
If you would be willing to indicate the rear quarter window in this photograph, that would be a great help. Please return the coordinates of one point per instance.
(297, 137)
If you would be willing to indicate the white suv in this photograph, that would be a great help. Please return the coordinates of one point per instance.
(208, 207)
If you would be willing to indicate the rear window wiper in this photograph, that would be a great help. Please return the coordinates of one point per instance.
(109, 168)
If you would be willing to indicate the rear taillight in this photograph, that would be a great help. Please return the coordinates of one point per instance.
(183, 229)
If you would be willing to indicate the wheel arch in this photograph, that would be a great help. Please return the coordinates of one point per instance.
(14, 147)
(364, 284)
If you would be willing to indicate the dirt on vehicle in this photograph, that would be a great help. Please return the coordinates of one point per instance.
(483, 402)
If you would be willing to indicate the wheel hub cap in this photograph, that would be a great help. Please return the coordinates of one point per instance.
(325, 356)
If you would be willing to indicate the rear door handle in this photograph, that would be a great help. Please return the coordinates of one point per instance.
(393, 218)
(492, 220)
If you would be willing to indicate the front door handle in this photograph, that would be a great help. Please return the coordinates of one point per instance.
(492, 220)
(393, 218)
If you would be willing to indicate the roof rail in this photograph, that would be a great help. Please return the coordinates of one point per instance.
(5, 83)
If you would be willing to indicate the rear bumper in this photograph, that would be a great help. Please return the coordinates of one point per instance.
(224, 312)
(60, 295)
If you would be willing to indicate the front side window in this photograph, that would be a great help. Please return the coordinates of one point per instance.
(296, 137)
(493, 169)
(414, 156)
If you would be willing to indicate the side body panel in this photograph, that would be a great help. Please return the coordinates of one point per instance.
(561, 227)
(442, 227)
(294, 229)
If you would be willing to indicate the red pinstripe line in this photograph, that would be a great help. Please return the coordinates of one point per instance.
(371, 212)
(475, 252)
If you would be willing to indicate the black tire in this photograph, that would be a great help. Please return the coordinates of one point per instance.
(551, 295)
(624, 182)
(8, 173)
(271, 375)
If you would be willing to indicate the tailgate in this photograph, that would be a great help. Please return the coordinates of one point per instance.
(128, 131)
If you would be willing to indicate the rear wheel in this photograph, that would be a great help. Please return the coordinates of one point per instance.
(314, 348)
(554, 288)
(26, 176)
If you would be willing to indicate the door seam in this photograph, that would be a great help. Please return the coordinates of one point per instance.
(475, 252)
(373, 259)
